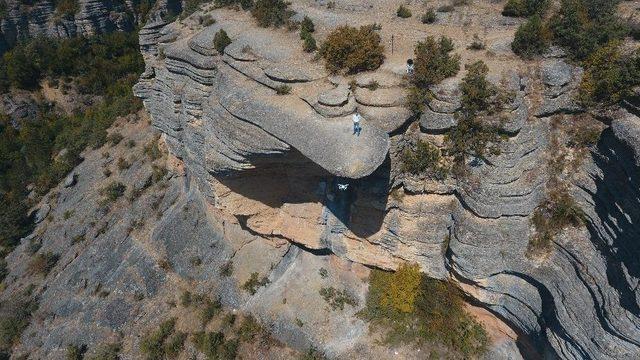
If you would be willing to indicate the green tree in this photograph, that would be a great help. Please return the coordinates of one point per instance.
(434, 62)
(531, 39)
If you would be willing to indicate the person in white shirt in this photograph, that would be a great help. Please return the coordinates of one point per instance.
(410, 67)
(356, 124)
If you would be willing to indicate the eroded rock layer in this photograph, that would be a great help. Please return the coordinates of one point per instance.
(274, 162)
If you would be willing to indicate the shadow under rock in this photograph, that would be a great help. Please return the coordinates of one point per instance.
(294, 179)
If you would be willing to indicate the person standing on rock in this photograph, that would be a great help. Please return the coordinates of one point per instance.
(410, 67)
(356, 124)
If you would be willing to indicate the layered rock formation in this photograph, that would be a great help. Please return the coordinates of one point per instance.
(23, 20)
(272, 162)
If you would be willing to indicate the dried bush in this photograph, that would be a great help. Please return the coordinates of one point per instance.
(271, 12)
(352, 50)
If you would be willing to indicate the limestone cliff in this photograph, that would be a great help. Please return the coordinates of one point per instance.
(270, 163)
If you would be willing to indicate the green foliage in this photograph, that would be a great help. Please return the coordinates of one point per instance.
(113, 191)
(309, 43)
(210, 308)
(250, 329)
(429, 17)
(17, 317)
(107, 65)
(424, 158)
(475, 133)
(307, 26)
(221, 40)
(337, 299)
(271, 12)
(253, 283)
(412, 309)
(352, 49)
(215, 346)
(154, 344)
(532, 38)
(556, 213)
(477, 43)
(43, 263)
(75, 352)
(403, 12)
(524, 8)
(582, 26)
(609, 76)
(433, 62)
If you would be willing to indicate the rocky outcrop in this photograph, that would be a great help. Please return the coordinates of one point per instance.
(23, 20)
(274, 163)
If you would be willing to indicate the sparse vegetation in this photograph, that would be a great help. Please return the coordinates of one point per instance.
(227, 269)
(75, 352)
(17, 316)
(477, 43)
(410, 308)
(221, 40)
(403, 12)
(283, 89)
(253, 283)
(307, 26)
(113, 191)
(337, 299)
(352, 50)
(531, 39)
(478, 131)
(43, 263)
(215, 346)
(309, 43)
(556, 213)
(424, 158)
(524, 8)
(429, 17)
(66, 8)
(609, 77)
(153, 344)
(323, 273)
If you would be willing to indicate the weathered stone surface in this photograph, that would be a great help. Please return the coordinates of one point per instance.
(334, 97)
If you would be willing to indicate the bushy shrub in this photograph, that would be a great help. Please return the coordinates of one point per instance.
(17, 317)
(283, 89)
(215, 346)
(271, 12)
(425, 157)
(352, 49)
(189, 7)
(556, 213)
(531, 38)
(309, 43)
(221, 40)
(412, 309)
(524, 8)
(307, 26)
(113, 191)
(43, 263)
(403, 12)
(164, 342)
(434, 62)
(477, 43)
(582, 26)
(609, 76)
(476, 133)
(429, 17)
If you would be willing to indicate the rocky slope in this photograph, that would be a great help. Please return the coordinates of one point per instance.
(23, 19)
(270, 163)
